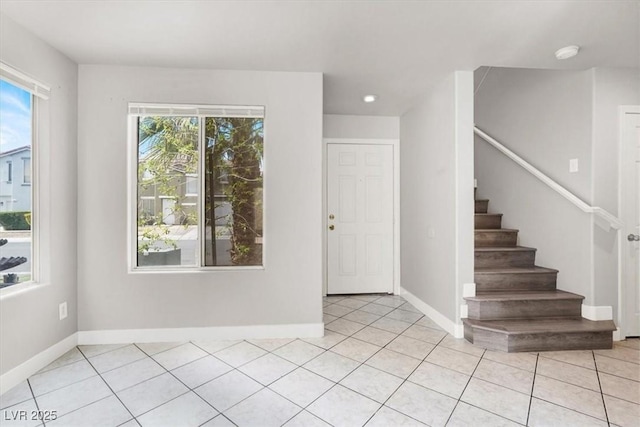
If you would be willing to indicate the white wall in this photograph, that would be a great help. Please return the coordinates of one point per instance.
(612, 87)
(29, 320)
(364, 127)
(549, 117)
(436, 177)
(543, 116)
(287, 291)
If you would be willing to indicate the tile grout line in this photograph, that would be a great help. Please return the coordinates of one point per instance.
(34, 401)
(558, 380)
(546, 357)
(233, 368)
(69, 385)
(533, 384)
(573, 385)
(265, 386)
(465, 387)
(126, 422)
(405, 380)
(336, 383)
(268, 386)
(482, 357)
(604, 403)
(64, 386)
(422, 361)
(618, 358)
(167, 371)
(100, 354)
(545, 400)
(76, 382)
(107, 384)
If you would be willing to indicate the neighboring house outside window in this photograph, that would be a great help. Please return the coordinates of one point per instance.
(14, 196)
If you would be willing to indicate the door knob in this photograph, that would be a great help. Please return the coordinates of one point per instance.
(331, 227)
(633, 237)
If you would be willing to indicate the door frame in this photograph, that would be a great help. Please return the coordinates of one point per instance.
(623, 317)
(395, 143)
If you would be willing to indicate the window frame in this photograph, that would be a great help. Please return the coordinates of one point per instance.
(40, 93)
(137, 110)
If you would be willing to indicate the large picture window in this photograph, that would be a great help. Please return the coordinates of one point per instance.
(198, 191)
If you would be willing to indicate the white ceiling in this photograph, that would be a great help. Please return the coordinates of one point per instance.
(395, 49)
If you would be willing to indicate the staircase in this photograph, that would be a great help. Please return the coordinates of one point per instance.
(517, 306)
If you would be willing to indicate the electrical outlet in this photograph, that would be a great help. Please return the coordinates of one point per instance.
(573, 165)
(62, 310)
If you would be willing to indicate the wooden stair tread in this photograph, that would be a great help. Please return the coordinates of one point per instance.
(542, 325)
(495, 230)
(504, 249)
(514, 270)
(524, 295)
(487, 214)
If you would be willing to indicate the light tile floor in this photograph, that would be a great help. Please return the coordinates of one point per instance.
(380, 363)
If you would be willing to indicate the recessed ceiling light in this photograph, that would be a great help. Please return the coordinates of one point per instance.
(370, 98)
(567, 52)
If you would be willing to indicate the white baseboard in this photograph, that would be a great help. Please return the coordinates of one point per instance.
(15, 376)
(616, 335)
(303, 330)
(464, 311)
(468, 290)
(441, 320)
(593, 312)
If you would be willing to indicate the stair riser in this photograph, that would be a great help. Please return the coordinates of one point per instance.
(499, 238)
(482, 206)
(494, 310)
(488, 221)
(544, 341)
(515, 282)
(504, 259)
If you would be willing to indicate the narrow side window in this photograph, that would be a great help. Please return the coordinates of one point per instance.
(16, 140)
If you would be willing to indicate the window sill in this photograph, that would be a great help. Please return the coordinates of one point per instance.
(192, 270)
(19, 288)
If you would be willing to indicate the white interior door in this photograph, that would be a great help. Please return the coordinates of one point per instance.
(360, 218)
(630, 168)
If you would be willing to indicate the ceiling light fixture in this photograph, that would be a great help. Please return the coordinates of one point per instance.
(370, 98)
(567, 52)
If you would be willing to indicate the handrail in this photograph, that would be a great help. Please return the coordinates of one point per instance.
(611, 220)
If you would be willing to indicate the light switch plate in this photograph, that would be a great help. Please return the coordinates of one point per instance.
(573, 165)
